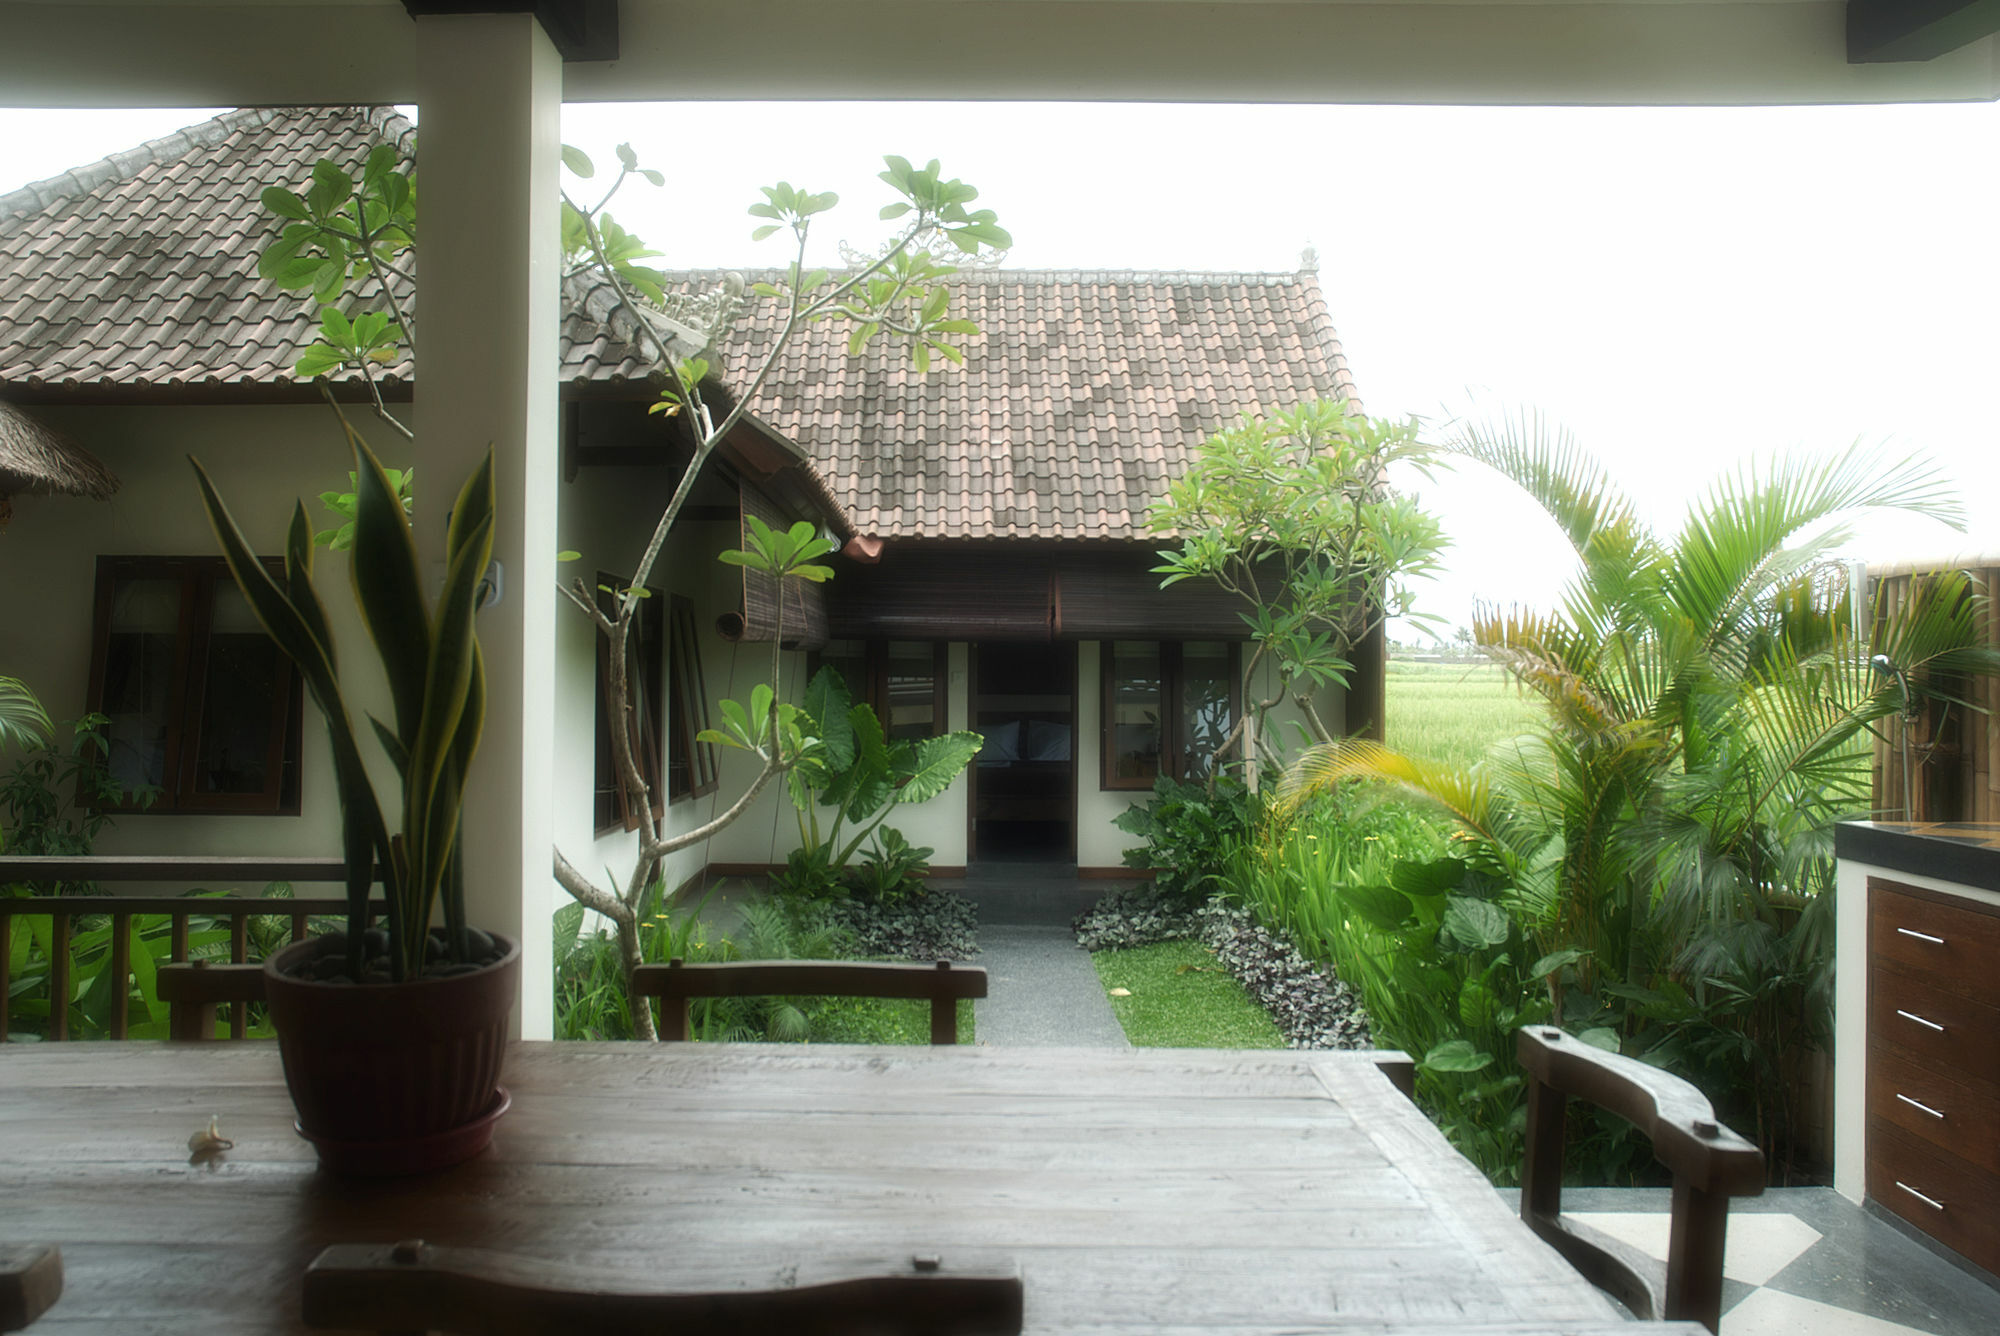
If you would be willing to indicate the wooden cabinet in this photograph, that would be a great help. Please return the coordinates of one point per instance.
(1933, 1094)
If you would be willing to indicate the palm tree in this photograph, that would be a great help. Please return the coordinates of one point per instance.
(1705, 697)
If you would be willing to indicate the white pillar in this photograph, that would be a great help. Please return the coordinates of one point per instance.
(487, 322)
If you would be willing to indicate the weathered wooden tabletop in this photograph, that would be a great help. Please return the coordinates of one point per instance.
(1142, 1190)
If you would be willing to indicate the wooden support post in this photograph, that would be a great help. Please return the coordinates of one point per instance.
(944, 1013)
(121, 973)
(1694, 1255)
(1542, 1165)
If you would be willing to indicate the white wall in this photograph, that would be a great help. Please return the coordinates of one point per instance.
(262, 460)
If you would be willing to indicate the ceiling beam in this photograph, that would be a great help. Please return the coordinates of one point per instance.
(1903, 30)
(218, 53)
(580, 29)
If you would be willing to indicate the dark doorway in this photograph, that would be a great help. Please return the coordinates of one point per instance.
(1024, 780)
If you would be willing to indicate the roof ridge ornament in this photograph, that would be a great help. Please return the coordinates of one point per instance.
(1309, 260)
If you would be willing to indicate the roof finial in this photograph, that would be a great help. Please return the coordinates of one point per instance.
(1309, 261)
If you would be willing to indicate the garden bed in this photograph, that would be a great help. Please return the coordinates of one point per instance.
(1307, 1004)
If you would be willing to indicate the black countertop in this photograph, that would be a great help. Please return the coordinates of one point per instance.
(1962, 851)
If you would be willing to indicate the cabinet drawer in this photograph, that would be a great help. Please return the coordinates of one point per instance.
(1961, 1117)
(1954, 1202)
(1953, 943)
(1941, 1030)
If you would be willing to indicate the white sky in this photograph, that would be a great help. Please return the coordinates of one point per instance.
(1686, 289)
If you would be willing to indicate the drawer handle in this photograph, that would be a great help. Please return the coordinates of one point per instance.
(1930, 1025)
(1918, 1105)
(1921, 936)
(1931, 1202)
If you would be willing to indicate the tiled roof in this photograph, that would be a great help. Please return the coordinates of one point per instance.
(1083, 393)
(141, 270)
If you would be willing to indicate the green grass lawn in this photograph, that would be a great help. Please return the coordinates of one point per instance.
(877, 1020)
(1182, 997)
(1451, 712)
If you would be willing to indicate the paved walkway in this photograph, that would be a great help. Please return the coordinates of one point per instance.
(1041, 987)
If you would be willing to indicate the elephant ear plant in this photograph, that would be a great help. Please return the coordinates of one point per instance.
(436, 679)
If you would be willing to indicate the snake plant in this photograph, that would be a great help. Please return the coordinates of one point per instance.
(436, 679)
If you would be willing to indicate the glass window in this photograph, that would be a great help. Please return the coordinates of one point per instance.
(691, 770)
(1134, 738)
(912, 690)
(1140, 738)
(204, 710)
(1207, 695)
(903, 681)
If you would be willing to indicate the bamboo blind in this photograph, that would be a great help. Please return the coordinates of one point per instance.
(1952, 749)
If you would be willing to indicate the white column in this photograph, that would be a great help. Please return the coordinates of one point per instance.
(487, 321)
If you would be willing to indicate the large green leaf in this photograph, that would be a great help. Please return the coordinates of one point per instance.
(1457, 1055)
(827, 703)
(935, 763)
(1474, 924)
(388, 586)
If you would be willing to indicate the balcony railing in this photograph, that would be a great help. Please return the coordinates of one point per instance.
(63, 911)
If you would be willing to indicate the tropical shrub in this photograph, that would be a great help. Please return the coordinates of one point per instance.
(854, 777)
(893, 868)
(1192, 830)
(1663, 841)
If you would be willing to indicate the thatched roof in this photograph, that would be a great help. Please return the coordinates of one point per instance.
(34, 458)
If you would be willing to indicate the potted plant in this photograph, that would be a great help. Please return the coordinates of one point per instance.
(391, 1035)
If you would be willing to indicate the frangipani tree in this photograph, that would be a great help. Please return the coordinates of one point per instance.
(1294, 514)
(348, 242)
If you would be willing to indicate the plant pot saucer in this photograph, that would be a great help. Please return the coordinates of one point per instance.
(410, 1155)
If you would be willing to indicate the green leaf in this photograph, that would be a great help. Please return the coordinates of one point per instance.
(317, 360)
(759, 233)
(657, 178)
(1474, 924)
(1457, 1055)
(936, 762)
(285, 203)
(1601, 1037)
(578, 162)
(1556, 960)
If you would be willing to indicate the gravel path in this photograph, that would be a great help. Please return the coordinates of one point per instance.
(1042, 991)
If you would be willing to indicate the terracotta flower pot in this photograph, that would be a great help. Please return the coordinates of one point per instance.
(393, 1077)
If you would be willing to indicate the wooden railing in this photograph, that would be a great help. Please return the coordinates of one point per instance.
(63, 910)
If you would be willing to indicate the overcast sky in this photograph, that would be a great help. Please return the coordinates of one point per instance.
(1686, 289)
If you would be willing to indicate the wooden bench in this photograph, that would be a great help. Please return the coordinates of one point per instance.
(414, 1286)
(676, 982)
(1710, 1164)
(193, 989)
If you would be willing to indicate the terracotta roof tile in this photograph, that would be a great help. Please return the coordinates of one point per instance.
(1082, 393)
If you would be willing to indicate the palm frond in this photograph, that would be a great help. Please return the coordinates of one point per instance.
(23, 721)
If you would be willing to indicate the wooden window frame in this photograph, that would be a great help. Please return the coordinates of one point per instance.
(612, 808)
(1173, 723)
(687, 705)
(875, 670)
(199, 577)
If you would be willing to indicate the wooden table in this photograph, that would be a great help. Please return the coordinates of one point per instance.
(1154, 1190)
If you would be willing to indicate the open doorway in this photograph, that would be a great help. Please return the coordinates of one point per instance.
(1024, 781)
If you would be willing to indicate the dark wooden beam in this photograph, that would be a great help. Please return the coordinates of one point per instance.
(580, 29)
(1890, 30)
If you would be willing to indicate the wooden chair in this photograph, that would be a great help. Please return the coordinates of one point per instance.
(1710, 1165)
(191, 990)
(675, 982)
(413, 1286)
(31, 1280)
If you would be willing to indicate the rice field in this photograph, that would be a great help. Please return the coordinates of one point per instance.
(1451, 712)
